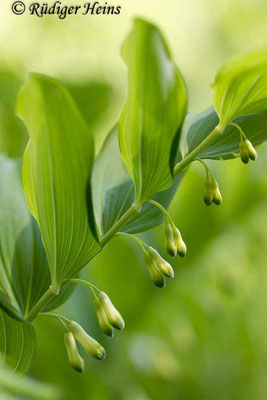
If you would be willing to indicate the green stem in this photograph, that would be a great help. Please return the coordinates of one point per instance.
(59, 317)
(190, 157)
(39, 306)
(134, 209)
(142, 244)
(242, 135)
(208, 171)
(83, 282)
(162, 209)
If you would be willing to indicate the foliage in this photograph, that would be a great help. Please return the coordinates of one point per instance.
(77, 203)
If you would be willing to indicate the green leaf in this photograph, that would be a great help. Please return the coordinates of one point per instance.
(92, 98)
(56, 175)
(13, 135)
(150, 122)
(24, 270)
(113, 191)
(226, 146)
(240, 87)
(17, 344)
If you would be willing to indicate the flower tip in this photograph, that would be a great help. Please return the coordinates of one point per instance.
(182, 252)
(181, 246)
(167, 270)
(155, 274)
(100, 354)
(119, 323)
(251, 150)
(160, 282)
(172, 251)
(113, 316)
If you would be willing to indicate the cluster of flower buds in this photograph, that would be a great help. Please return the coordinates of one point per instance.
(90, 345)
(173, 241)
(157, 267)
(247, 151)
(108, 316)
(212, 192)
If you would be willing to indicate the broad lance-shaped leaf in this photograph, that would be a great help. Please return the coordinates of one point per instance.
(150, 122)
(226, 146)
(56, 175)
(240, 87)
(17, 344)
(24, 270)
(113, 191)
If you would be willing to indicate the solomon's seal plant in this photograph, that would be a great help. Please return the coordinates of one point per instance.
(69, 205)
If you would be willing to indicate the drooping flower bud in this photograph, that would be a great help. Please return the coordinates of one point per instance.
(251, 150)
(90, 345)
(102, 319)
(155, 275)
(180, 244)
(244, 155)
(75, 360)
(163, 265)
(169, 241)
(208, 195)
(113, 316)
(216, 194)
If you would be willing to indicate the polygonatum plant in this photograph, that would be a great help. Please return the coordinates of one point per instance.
(68, 204)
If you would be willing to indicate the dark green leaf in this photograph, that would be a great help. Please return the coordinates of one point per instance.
(226, 146)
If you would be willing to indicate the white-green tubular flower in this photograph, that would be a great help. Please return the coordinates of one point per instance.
(75, 360)
(102, 319)
(163, 265)
(113, 316)
(243, 152)
(90, 345)
(155, 275)
(180, 244)
(251, 150)
(212, 192)
(217, 197)
(208, 195)
(169, 241)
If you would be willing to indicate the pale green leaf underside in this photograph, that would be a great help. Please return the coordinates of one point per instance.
(17, 344)
(240, 87)
(24, 270)
(56, 175)
(226, 146)
(113, 191)
(154, 110)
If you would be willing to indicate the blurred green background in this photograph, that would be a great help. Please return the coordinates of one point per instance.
(203, 337)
